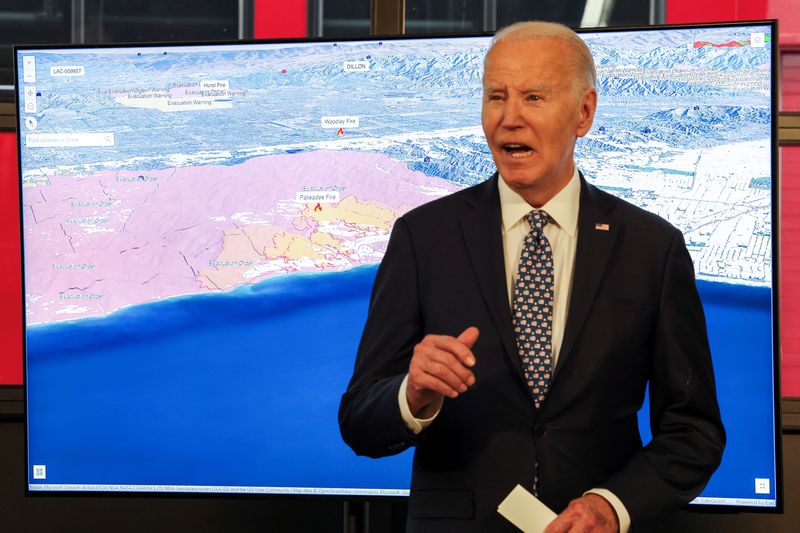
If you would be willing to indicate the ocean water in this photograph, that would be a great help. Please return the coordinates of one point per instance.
(229, 389)
(242, 389)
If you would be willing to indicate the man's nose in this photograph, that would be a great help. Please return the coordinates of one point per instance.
(512, 113)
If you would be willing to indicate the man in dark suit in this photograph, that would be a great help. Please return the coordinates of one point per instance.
(444, 363)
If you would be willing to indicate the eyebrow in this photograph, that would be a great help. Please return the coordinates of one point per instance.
(528, 90)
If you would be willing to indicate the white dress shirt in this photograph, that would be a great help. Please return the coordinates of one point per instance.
(562, 233)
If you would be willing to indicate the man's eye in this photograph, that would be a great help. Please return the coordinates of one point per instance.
(533, 97)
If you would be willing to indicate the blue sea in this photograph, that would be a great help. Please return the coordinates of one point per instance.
(243, 388)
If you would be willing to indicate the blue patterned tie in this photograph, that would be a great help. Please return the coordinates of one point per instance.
(533, 307)
(533, 313)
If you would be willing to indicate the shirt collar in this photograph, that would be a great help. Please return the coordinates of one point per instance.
(562, 208)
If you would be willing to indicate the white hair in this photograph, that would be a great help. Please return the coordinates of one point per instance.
(581, 61)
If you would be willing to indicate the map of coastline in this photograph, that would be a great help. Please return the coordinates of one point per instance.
(183, 170)
(119, 238)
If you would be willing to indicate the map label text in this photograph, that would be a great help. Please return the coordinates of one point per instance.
(339, 122)
(63, 72)
(328, 197)
(356, 66)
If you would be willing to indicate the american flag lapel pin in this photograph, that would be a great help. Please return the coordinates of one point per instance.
(599, 226)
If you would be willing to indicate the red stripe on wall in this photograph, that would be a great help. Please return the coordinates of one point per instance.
(681, 11)
(790, 270)
(10, 269)
(687, 11)
(276, 20)
(790, 81)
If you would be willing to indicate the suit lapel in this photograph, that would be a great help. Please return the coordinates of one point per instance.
(482, 230)
(597, 232)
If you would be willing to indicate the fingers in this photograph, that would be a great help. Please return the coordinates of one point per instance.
(441, 364)
(585, 515)
(469, 336)
(440, 367)
(454, 346)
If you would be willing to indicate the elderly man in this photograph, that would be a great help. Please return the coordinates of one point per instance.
(515, 325)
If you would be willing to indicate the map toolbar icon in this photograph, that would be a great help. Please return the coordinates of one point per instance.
(29, 69)
(30, 99)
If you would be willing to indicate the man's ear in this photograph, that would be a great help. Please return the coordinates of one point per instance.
(588, 105)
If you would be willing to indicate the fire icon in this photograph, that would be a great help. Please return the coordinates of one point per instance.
(318, 207)
(340, 133)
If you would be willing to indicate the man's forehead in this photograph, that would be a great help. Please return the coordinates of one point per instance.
(549, 53)
(538, 68)
(527, 47)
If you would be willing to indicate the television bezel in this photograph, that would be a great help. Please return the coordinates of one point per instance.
(775, 229)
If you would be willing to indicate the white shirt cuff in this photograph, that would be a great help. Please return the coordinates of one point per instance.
(622, 513)
(416, 425)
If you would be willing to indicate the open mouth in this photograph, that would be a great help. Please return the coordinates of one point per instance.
(517, 150)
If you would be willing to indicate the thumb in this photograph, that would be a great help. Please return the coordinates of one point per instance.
(469, 336)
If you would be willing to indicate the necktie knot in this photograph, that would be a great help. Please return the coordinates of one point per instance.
(538, 219)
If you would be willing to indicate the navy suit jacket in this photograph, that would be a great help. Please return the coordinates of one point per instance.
(634, 318)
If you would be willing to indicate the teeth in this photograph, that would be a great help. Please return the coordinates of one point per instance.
(518, 151)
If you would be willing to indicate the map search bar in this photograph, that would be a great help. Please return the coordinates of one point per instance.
(68, 140)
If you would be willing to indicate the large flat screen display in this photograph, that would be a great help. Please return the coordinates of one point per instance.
(202, 225)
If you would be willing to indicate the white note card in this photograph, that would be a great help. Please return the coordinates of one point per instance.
(525, 511)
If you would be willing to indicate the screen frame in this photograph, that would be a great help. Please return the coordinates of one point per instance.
(775, 289)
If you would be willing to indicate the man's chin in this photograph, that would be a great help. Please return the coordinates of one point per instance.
(536, 189)
(519, 180)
